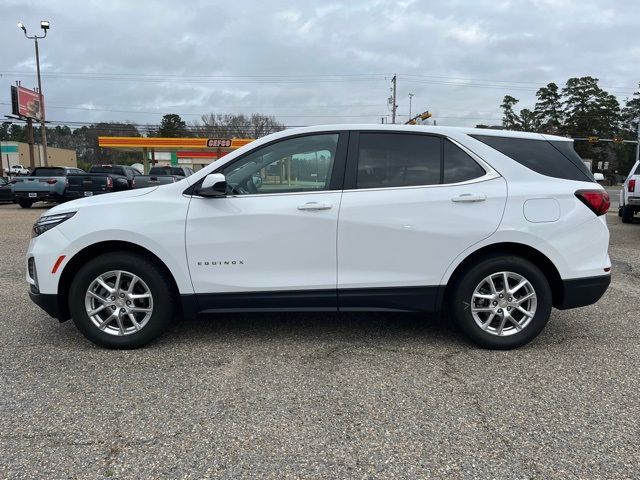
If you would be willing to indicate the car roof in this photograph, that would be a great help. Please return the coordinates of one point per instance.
(441, 130)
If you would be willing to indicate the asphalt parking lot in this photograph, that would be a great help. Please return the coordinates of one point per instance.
(321, 396)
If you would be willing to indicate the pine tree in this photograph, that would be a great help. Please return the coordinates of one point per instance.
(529, 121)
(548, 109)
(589, 110)
(510, 119)
(631, 114)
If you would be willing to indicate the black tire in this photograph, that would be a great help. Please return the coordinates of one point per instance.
(627, 214)
(25, 203)
(462, 291)
(164, 299)
(620, 211)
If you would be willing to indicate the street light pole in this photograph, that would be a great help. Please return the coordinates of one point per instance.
(411, 95)
(45, 26)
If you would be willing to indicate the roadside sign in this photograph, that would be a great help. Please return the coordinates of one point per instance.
(26, 103)
(617, 139)
(593, 139)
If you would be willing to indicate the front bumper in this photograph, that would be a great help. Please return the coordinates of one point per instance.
(47, 302)
(580, 292)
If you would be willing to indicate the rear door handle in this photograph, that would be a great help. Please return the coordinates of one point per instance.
(314, 206)
(469, 198)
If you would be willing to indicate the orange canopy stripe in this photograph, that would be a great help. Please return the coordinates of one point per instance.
(156, 142)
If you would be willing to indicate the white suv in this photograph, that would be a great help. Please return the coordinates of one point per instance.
(500, 226)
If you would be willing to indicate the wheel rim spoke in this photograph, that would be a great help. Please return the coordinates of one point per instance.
(515, 323)
(501, 326)
(104, 285)
(486, 324)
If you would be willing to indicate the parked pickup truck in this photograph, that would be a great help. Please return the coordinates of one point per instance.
(161, 176)
(45, 184)
(100, 179)
(16, 170)
(630, 195)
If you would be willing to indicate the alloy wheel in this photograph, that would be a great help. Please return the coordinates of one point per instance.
(119, 303)
(503, 303)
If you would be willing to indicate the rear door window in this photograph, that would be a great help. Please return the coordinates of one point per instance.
(398, 160)
(554, 159)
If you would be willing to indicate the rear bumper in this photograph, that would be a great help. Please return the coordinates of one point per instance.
(39, 196)
(73, 195)
(580, 292)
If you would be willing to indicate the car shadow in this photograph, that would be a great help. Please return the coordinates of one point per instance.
(321, 326)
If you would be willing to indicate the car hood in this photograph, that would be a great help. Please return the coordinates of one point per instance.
(105, 198)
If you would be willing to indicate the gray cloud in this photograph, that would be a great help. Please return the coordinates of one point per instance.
(459, 58)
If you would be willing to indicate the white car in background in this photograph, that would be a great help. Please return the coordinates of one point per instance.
(500, 226)
(16, 170)
(630, 195)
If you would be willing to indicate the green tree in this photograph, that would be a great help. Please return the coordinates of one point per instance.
(631, 114)
(172, 126)
(510, 119)
(548, 109)
(589, 110)
(528, 121)
(237, 126)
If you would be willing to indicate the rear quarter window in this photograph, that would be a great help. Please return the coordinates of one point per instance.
(458, 166)
(551, 158)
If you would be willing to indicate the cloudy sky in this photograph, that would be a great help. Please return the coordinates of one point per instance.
(312, 62)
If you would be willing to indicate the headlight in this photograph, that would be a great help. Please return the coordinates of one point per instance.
(48, 222)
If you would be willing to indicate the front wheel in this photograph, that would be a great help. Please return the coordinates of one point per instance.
(502, 302)
(121, 300)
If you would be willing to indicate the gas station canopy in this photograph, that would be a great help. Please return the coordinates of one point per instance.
(190, 150)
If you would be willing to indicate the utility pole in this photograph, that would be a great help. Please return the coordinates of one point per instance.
(638, 144)
(32, 160)
(394, 105)
(45, 26)
(411, 95)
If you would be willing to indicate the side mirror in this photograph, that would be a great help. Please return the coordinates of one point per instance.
(213, 185)
(599, 177)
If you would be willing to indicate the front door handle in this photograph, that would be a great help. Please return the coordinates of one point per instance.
(469, 198)
(315, 206)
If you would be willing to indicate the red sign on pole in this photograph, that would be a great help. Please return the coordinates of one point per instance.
(26, 103)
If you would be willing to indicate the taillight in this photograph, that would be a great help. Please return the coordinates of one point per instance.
(597, 200)
(109, 182)
(632, 185)
(51, 181)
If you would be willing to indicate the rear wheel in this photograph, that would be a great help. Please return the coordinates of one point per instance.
(121, 300)
(501, 302)
(25, 203)
(627, 214)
